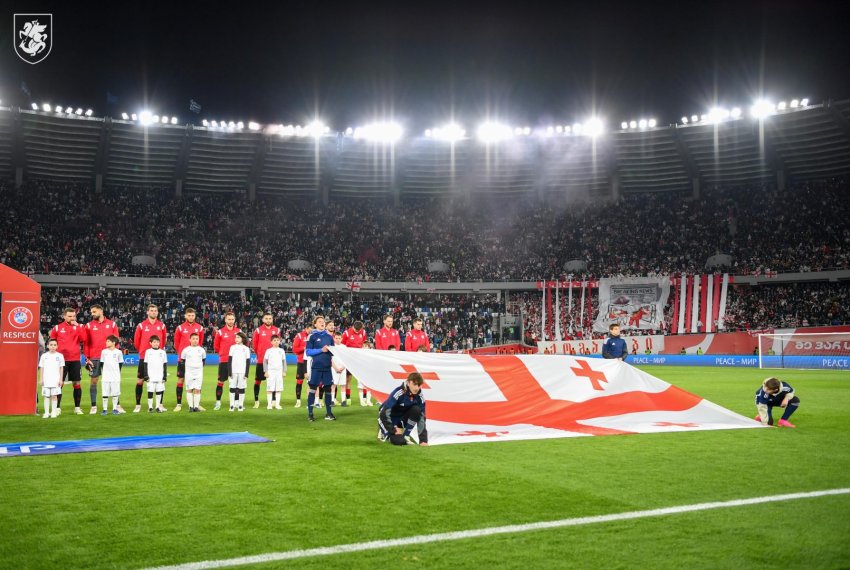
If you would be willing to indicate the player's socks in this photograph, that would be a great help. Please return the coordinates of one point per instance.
(311, 400)
(150, 400)
(348, 394)
(93, 395)
(232, 397)
(139, 393)
(219, 389)
(329, 402)
(78, 395)
(47, 406)
(298, 385)
(256, 390)
(105, 403)
(159, 396)
(789, 410)
(114, 403)
(59, 398)
(179, 393)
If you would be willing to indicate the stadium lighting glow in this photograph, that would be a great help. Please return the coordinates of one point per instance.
(384, 132)
(46, 107)
(795, 103)
(559, 129)
(155, 119)
(684, 120)
(736, 112)
(315, 129)
(254, 126)
(652, 123)
(34, 106)
(594, 127)
(694, 119)
(231, 125)
(173, 120)
(450, 132)
(633, 124)
(517, 131)
(526, 131)
(145, 117)
(762, 109)
(566, 129)
(205, 122)
(59, 109)
(624, 125)
(79, 111)
(134, 117)
(717, 114)
(642, 123)
(577, 128)
(164, 119)
(781, 106)
(240, 125)
(804, 103)
(491, 132)
(125, 116)
(89, 112)
(214, 124)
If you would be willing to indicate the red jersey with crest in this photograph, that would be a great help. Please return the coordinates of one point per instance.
(144, 331)
(353, 339)
(385, 338)
(224, 339)
(183, 332)
(95, 337)
(262, 340)
(299, 344)
(414, 339)
(69, 338)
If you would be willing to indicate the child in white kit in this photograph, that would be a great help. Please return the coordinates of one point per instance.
(157, 366)
(194, 357)
(274, 363)
(240, 362)
(111, 361)
(51, 367)
(338, 372)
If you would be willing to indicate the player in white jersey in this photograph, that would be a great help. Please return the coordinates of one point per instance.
(111, 361)
(156, 362)
(194, 357)
(338, 371)
(51, 367)
(274, 365)
(240, 362)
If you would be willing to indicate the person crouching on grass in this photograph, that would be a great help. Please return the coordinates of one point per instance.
(774, 393)
(403, 411)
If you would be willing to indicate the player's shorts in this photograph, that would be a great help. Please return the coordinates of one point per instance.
(50, 392)
(73, 371)
(274, 381)
(110, 389)
(194, 379)
(223, 371)
(238, 381)
(93, 369)
(156, 387)
(259, 373)
(321, 378)
(142, 374)
(339, 379)
(300, 371)
(181, 368)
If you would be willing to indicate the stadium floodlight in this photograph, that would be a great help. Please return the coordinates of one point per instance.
(594, 127)
(173, 120)
(577, 128)
(428, 133)
(59, 109)
(34, 106)
(642, 123)
(231, 125)
(89, 112)
(240, 125)
(550, 131)
(125, 116)
(652, 123)
(526, 131)
(633, 124)
(315, 129)
(79, 111)
(46, 107)
(559, 129)
(349, 131)
(253, 126)
(684, 120)
(624, 125)
(387, 132)
(145, 117)
(567, 129)
(694, 118)
(717, 114)
(795, 103)
(287, 131)
(214, 124)
(205, 122)
(762, 109)
(703, 118)
(517, 131)
(735, 113)
(155, 119)
(134, 117)
(804, 102)
(165, 119)
(781, 106)
(450, 132)
(492, 132)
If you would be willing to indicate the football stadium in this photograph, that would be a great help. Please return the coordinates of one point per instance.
(382, 295)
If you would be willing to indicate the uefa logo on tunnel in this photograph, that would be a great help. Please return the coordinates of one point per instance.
(20, 317)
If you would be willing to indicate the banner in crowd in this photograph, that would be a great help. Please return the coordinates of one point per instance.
(476, 398)
(642, 344)
(633, 303)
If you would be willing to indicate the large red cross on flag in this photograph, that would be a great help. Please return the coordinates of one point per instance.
(537, 396)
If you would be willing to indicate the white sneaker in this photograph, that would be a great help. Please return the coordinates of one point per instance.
(137, 409)
(241, 408)
(93, 410)
(269, 407)
(178, 407)
(217, 405)
(58, 412)
(78, 411)
(200, 408)
(162, 409)
(362, 401)
(231, 408)
(277, 407)
(257, 405)
(55, 414)
(297, 403)
(120, 410)
(46, 415)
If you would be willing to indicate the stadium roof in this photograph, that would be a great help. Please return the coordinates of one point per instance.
(802, 144)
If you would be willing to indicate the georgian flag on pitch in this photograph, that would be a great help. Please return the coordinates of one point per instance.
(472, 398)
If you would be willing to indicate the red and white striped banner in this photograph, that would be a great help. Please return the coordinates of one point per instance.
(474, 398)
(699, 303)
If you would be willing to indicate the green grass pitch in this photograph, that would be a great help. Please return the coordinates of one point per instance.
(330, 483)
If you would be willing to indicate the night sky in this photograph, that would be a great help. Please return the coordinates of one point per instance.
(523, 62)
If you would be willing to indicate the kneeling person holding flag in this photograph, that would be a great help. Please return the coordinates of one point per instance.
(402, 411)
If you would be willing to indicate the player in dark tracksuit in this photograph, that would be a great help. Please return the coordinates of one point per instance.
(320, 370)
(614, 346)
(774, 392)
(403, 411)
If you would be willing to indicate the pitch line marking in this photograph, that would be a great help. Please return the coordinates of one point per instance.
(510, 529)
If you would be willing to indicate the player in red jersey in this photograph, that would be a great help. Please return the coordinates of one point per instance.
(225, 337)
(299, 345)
(261, 341)
(181, 340)
(70, 335)
(417, 338)
(387, 336)
(149, 327)
(97, 330)
(354, 337)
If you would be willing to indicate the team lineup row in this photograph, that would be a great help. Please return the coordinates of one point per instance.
(325, 374)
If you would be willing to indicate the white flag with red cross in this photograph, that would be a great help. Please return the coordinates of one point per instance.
(472, 398)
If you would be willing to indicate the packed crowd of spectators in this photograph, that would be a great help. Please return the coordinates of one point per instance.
(788, 306)
(452, 322)
(58, 228)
